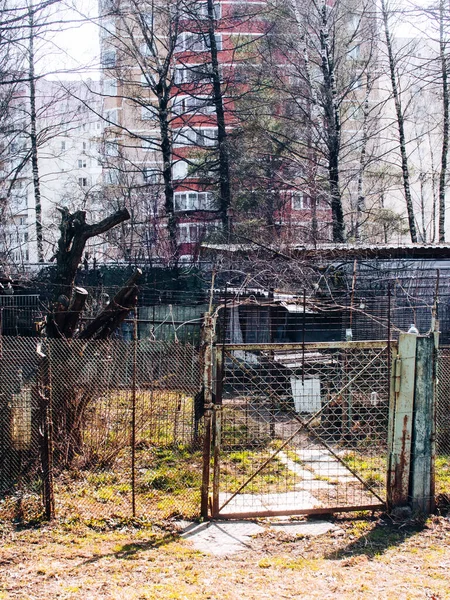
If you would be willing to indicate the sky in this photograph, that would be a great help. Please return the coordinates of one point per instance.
(75, 48)
(72, 50)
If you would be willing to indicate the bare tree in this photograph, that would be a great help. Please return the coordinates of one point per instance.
(385, 14)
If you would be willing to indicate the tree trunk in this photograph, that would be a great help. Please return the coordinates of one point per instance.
(333, 125)
(222, 143)
(445, 131)
(400, 125)
(33, 140)
(360, 200)
(167, 156)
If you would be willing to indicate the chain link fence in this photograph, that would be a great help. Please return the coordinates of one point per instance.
(304, 430)
(108, 428)
(443, 424)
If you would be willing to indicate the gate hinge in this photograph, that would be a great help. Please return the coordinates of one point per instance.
(397, 374)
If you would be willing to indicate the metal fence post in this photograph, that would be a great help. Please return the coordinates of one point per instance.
(217, 413)
(401, 421)
(207, 388)
(133, 422)
(46, 412)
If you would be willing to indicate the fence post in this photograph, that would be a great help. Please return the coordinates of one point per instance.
(410, 478)
(44, 388)
(217, 408)
(422, 452)
(401, 421)
(207, 388)
(133, 421)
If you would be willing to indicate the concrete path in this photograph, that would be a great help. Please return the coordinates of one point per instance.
(222, 538)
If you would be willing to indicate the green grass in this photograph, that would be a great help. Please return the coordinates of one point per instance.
(237, 467)
(167, 483)
(442, 467)
(371, 468)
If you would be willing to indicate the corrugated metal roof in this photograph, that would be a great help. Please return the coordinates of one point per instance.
(344, 250)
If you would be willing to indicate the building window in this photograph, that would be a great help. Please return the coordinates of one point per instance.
(189, 233)
(110, 87)
(63, 145)
(108, 6)
(186, 201)
(82, 163)
(147, 19)
(300, 201)
(148, 112)
(108, 59)
(196, 137)
(22, 220)
(107, 28)
(151, 175)
(112, 117)
(193, 74)
(112, 148)
(191, 104)
(112, 177)
(82, 181)
(355, 52)
(199, 10)
(188, 41)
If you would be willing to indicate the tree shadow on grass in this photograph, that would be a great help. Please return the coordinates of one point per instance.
(384, 535)
(131, 550)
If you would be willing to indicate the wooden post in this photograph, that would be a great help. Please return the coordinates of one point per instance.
(401, 421)
(410, 478)
(422, 485)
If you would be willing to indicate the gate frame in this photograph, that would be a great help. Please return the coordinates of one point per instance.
(214, 505)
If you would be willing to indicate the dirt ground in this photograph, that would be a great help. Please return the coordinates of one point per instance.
(365, 558)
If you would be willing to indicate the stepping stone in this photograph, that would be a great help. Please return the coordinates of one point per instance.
(221, 538)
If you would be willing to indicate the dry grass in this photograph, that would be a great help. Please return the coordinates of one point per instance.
(368, 559)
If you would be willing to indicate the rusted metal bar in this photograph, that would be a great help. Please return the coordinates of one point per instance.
(207, 387)
(389, 325)
(354, 345)
(44, 390)
(133, 422)
(303, 337)
(302, 511)
(219, 372)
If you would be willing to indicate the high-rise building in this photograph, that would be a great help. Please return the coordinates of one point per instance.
(178, 81)
(68, 161)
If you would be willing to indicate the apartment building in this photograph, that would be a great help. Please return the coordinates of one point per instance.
(161, 122)
(69, 130)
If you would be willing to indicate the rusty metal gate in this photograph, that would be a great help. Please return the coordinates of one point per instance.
(299, 428)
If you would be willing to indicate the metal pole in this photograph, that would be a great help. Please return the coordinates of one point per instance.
(133, 421)
(207, 377)
(303, 338)
(389, 325)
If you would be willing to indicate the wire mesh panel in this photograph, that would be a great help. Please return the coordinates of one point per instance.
(20, 427)
(442, 465)
(303, 429)
(125, 434)
(129, 448)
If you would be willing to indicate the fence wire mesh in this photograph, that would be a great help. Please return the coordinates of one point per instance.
(125, 438)
(442, 464)
(303, 430)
